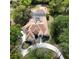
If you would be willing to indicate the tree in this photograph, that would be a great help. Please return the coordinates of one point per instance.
(64, 45)
(60, 23)
(21, 15)
(15, 3)
(26, 2)
(58, 7)
(20, 12)
(63, 37)
(60, 33)
(14, 37)
(15, 54)
(14, 34)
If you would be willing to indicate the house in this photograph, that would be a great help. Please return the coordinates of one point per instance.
(37, 25)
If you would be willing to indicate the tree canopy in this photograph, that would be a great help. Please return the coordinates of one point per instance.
(60, 33)
(14, 34)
